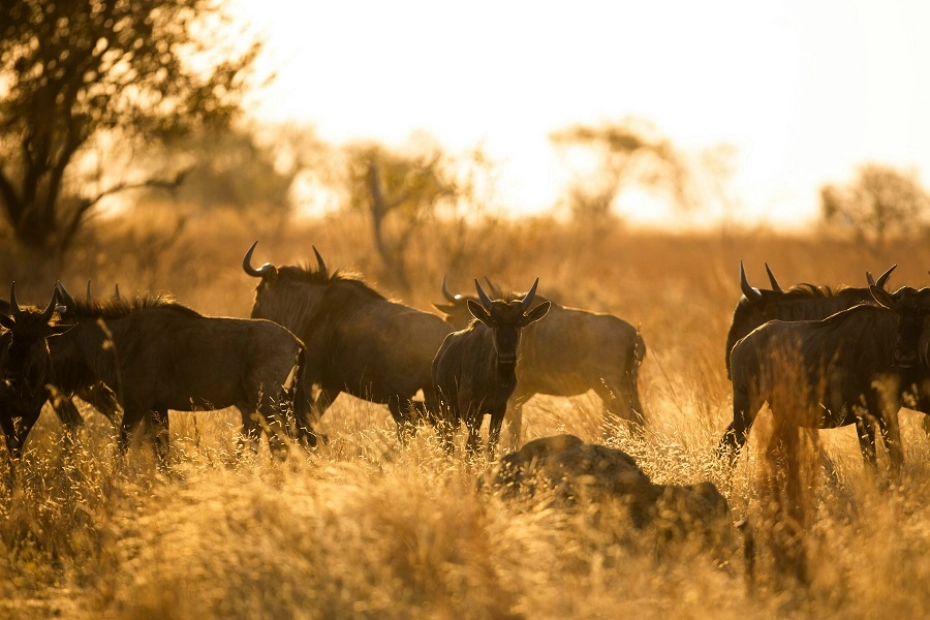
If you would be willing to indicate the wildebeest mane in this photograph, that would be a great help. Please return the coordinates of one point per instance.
(118, 308)
(305, 273)
(805, 290)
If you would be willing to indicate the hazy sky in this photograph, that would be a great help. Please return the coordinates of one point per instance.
(806, 90)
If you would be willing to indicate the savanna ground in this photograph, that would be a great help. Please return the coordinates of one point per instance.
(364, 528)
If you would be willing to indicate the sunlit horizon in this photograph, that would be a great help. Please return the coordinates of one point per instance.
(805, 92)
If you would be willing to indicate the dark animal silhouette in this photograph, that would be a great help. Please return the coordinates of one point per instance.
(852, 366)
(158, 355)
(799, 302)
(571, 352)
(357, 341)
(475, 369)
(25, 368)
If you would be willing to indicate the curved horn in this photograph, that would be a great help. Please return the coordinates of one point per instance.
(50, 308)
(65, 295)
(882, 279)
(528, 298)
(445, 290)
(751, 292)
(869, 278)
(320, 264)
(262, 271)
(14, 306)
(775, 286)
(485, 300)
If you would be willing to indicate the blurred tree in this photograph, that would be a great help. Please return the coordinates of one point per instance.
(402, 190)
(628, 151)
(879, 203)
(239, 168)
(76, 71)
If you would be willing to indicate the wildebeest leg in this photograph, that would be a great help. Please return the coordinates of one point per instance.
(494, 431)
(9, 434)
(103, 399)
(272, 425)
(514, 420)
(130, 423)
(160, 427)
(400, 409)
(617, 398)
(887, 390)
(321, 403)
(734, 438)
(473, 429)
(251, 429)
(67, 412)
(865, 430)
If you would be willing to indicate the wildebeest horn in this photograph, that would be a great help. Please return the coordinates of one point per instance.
(320, 264)
(117, 290)
(445, 290)
(775, 286)
(88, 290)
(485, 300)
(65, 295)
(751, 292)
(252, 271)
(50, 308)
(880, 283)
(14, 307)
(528, 298)
(869, 279)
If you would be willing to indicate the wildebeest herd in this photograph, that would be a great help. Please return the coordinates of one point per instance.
(859, 354)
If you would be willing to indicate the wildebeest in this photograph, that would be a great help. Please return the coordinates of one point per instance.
(357, 341)
(474, 371)
(99, 396)
(159, 355)
(799, 302)
(569, 353)
(25, 367)
(849, 366)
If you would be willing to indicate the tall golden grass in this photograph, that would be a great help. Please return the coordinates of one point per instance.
(364, 528)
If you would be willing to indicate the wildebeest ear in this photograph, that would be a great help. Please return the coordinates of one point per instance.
(7, 321)
(478, 311)
(536, 313)
(882, 297)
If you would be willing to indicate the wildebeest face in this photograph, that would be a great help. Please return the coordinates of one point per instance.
(506, 320)
(25, 361)
(913, 335)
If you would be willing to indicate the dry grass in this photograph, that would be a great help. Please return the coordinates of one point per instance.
(363, 528)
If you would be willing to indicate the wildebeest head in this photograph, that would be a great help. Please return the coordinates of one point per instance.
(912, 343)
(281, 286)
(506, 319)
(25, 361)
(456, 309)
(803, 301)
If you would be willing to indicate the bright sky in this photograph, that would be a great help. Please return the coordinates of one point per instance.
(806, 90)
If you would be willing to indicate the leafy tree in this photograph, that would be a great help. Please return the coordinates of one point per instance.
(75, 74)
(879, 203)
(629, 151)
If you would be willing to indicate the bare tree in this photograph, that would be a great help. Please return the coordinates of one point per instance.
(630, 151)
(403, 192)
